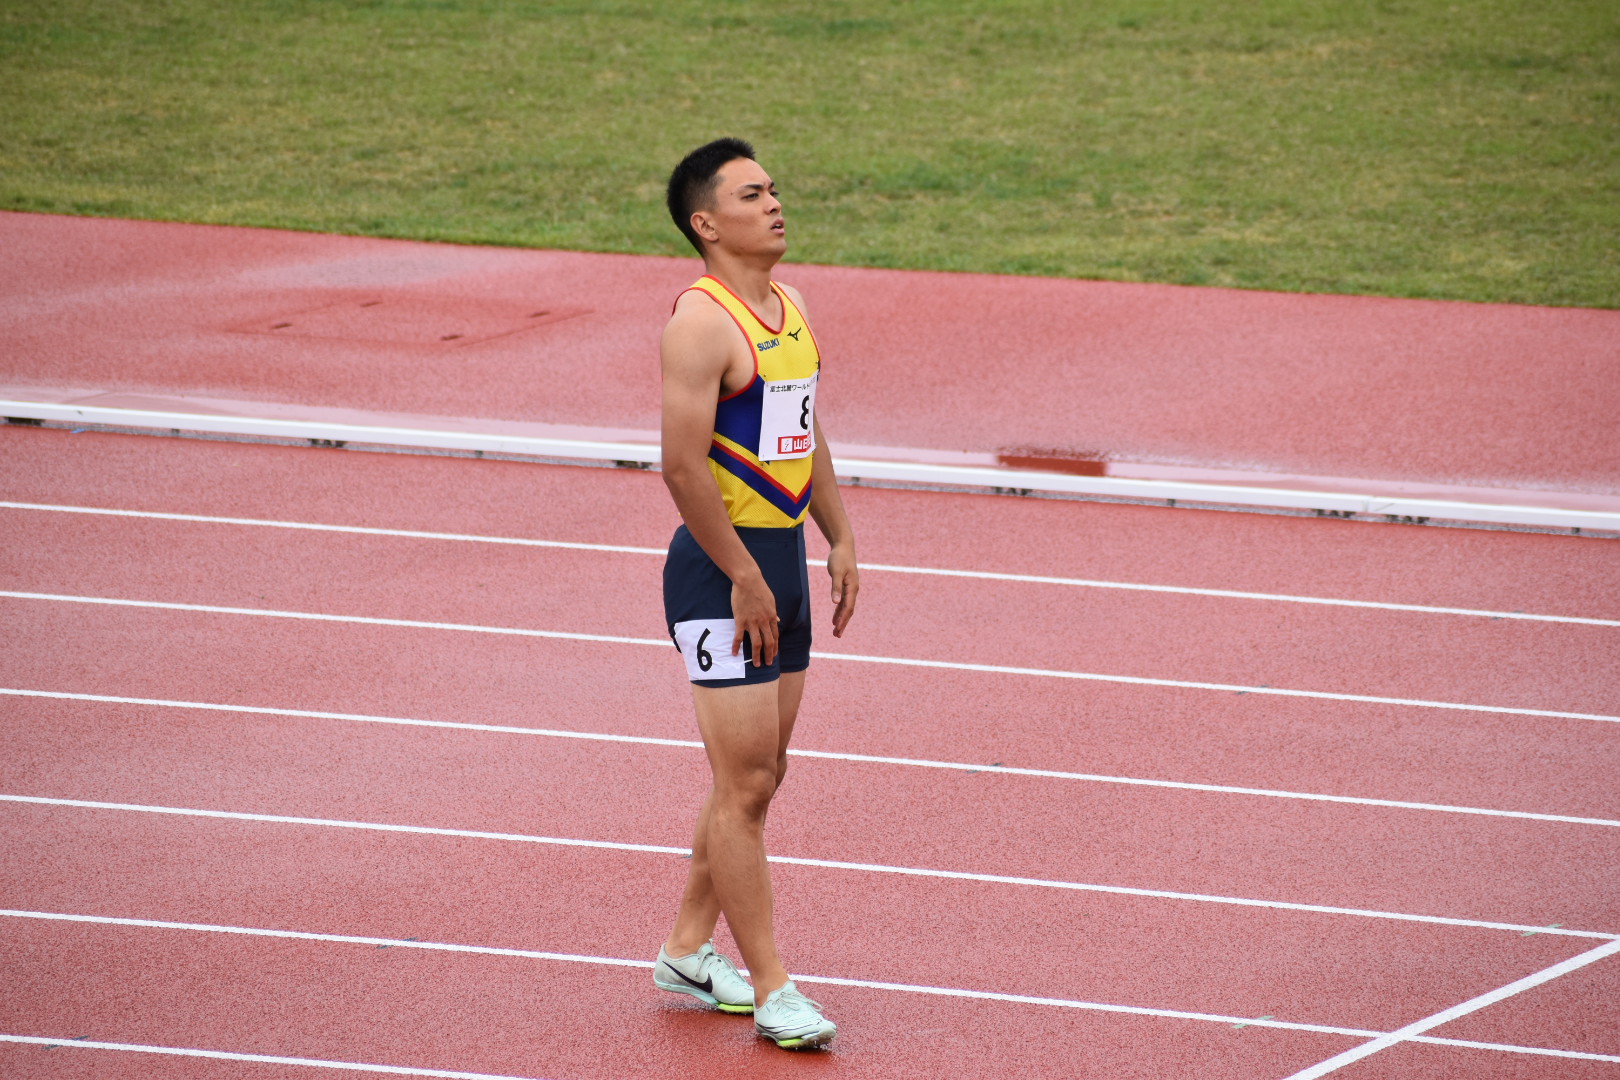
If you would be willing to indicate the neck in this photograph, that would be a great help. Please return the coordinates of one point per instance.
(747, 276)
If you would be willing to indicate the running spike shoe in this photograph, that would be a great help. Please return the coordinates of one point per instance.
(791, 1020)
(708, 976)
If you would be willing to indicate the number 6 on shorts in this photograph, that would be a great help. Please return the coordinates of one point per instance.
(705, 645)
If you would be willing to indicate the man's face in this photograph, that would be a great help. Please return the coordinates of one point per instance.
(747, 216)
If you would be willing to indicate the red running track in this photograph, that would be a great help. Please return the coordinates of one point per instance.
(1481, 395)
(1194, 951)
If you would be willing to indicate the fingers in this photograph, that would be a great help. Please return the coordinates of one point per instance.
(753, 608)
(845, 588)
(761, 636)
(768, 649)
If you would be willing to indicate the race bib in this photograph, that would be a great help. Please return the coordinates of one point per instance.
(787, 423)
(705, 645)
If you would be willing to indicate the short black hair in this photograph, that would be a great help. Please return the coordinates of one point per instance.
(691, 185)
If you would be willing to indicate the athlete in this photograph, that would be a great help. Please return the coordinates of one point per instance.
(745, 461)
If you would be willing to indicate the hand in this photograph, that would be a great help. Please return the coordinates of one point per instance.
(753, 606)
(846, 582)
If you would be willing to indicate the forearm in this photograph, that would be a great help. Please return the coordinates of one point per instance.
(826, 504)
(827, 507)
(698, 500)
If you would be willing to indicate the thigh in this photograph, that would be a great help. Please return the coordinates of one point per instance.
(789, 691)
(741, 728)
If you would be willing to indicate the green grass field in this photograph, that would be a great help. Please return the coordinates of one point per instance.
(1395, 147)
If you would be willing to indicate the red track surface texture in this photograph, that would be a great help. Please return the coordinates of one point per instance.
(1476, 395)
(392, 835)
(316, 760)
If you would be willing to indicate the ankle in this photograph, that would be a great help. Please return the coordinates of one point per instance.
(680, 950)
(764, 988)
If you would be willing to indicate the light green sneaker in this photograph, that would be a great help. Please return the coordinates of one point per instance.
(706, 975)
(791, 1020)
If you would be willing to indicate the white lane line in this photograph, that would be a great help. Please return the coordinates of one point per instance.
(865, 759)
(984, 575)
(1133, 680)
(360, 620)
(314, 714)
(823, 980)
(268, 1059)
(302, 935)
(829, 864)
(265, 523)
(911, 988)
(1339, 1061)
(1470, 1044)
(1234, 594)
(664, 643)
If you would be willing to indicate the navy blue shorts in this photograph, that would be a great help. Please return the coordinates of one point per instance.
(697, 607)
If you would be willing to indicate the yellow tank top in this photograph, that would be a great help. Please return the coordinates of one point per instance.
(764, 434)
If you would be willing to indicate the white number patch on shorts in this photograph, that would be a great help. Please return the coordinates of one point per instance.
(705, 645)
(787, 419)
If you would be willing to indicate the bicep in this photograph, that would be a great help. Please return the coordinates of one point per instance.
(693, 366)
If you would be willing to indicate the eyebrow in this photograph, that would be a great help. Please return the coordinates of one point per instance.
(752, 187)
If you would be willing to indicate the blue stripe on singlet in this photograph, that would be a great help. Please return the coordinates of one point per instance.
(762, 486)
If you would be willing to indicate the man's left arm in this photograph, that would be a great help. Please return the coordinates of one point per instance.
(827, 508)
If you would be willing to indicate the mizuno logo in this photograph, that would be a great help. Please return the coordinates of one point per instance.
(794, 334)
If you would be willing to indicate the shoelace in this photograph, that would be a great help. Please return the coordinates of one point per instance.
(725, 961)
(793, 997)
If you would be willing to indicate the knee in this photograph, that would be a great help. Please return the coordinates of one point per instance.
(781, 768)
(747, 794)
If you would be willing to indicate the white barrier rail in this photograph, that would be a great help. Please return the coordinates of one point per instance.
(1417, 509)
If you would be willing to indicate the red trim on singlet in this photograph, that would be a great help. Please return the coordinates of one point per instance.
(806, 322)
(760, 472)
(750, 310)
(740, 329)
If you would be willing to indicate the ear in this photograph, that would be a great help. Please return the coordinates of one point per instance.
(704, 226)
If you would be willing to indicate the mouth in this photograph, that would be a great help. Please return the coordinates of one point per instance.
(779, 227)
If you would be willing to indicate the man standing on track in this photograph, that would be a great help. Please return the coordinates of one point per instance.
(745, 461)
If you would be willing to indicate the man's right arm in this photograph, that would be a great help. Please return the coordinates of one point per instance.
(696, 353)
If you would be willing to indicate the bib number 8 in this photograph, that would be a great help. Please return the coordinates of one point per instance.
(787, 419)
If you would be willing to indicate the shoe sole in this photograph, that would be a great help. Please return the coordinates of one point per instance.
(818, 1038)
(707, 999)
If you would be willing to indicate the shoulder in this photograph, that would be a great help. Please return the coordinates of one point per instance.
(795, 296)
(697, 315)
(700, 334)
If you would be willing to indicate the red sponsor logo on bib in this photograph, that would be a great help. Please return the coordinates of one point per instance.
(792, 444)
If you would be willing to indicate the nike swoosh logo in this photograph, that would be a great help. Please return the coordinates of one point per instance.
(707, 985)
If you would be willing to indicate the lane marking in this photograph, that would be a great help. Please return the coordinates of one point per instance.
(824, 980)
(865, 759)
(358, 530)
(1234, 594)
(663, 643)
(1339, 1061)
(790, 860)
(269, 1059)
(1133, 680)
(983, 575)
